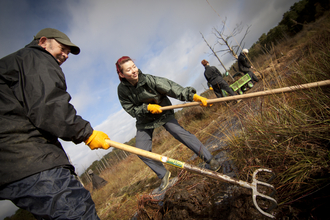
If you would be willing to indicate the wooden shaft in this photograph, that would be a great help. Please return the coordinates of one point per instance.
(177, 163)
(135, 150)
(251, 95)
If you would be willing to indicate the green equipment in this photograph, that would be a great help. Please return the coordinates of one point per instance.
(240, 85)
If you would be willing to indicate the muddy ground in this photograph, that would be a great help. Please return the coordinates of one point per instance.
(196, 197)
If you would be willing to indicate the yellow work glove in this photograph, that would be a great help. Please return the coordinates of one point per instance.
(201, 99)
(211, 88)
(97, 140)
(154, 109)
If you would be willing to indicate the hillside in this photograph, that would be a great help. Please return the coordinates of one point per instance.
(287, 133)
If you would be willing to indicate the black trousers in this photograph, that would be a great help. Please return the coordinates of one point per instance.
(51, 194)
(222, 84)
(253, 77)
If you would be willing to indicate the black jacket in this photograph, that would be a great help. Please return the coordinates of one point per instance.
(35, 112)
(243, 63)
(212, 74)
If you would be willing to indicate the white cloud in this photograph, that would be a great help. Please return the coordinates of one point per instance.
(162, 36)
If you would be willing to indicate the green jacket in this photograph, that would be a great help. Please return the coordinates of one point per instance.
(151, 90)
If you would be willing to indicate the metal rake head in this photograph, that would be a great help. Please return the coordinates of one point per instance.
(265, 187)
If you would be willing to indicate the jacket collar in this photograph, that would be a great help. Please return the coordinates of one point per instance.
(34, 44)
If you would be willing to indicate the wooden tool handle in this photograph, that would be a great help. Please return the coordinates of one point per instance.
(251, 95)
(147, 154)
(134, 150)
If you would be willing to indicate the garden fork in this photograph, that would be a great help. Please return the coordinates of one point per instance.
(253, 185)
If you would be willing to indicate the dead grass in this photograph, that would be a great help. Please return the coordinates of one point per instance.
(288, 133)
(129, 180)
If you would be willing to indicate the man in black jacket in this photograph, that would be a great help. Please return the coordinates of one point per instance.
(213, 76)
(36, 174)
(244, 65)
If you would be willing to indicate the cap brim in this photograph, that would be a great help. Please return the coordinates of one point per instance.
(74, 48)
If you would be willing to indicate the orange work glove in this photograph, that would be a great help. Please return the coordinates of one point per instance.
(97, 140)
(211, 88)
(154, 109)
(201, 99)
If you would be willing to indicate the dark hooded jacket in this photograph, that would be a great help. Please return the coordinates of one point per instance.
(35, 112)
(151, 90)
(212, 75)
(243, 63)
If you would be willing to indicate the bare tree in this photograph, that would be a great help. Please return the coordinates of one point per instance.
(125, 153)
(101, 162)
(215, 54)
(99, 168)
(106, 162)
(226, 40)
(119, 158)
(88, 177)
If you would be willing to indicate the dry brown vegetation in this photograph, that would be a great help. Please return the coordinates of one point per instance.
(288, 133)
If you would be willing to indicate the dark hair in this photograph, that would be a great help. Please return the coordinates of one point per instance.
(204, 62)
(119, 62)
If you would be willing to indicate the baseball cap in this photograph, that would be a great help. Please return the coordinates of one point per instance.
(60, 37)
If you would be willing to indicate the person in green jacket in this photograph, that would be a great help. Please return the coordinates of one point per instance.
(142, 95)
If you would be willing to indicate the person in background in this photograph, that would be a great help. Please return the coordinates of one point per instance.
(142, 95)
(36, 174)
(214, 78)
(244, 65)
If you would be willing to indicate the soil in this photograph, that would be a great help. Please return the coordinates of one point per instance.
(195, 196)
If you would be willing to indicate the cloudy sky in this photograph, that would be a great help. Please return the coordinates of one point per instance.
(163, 37)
